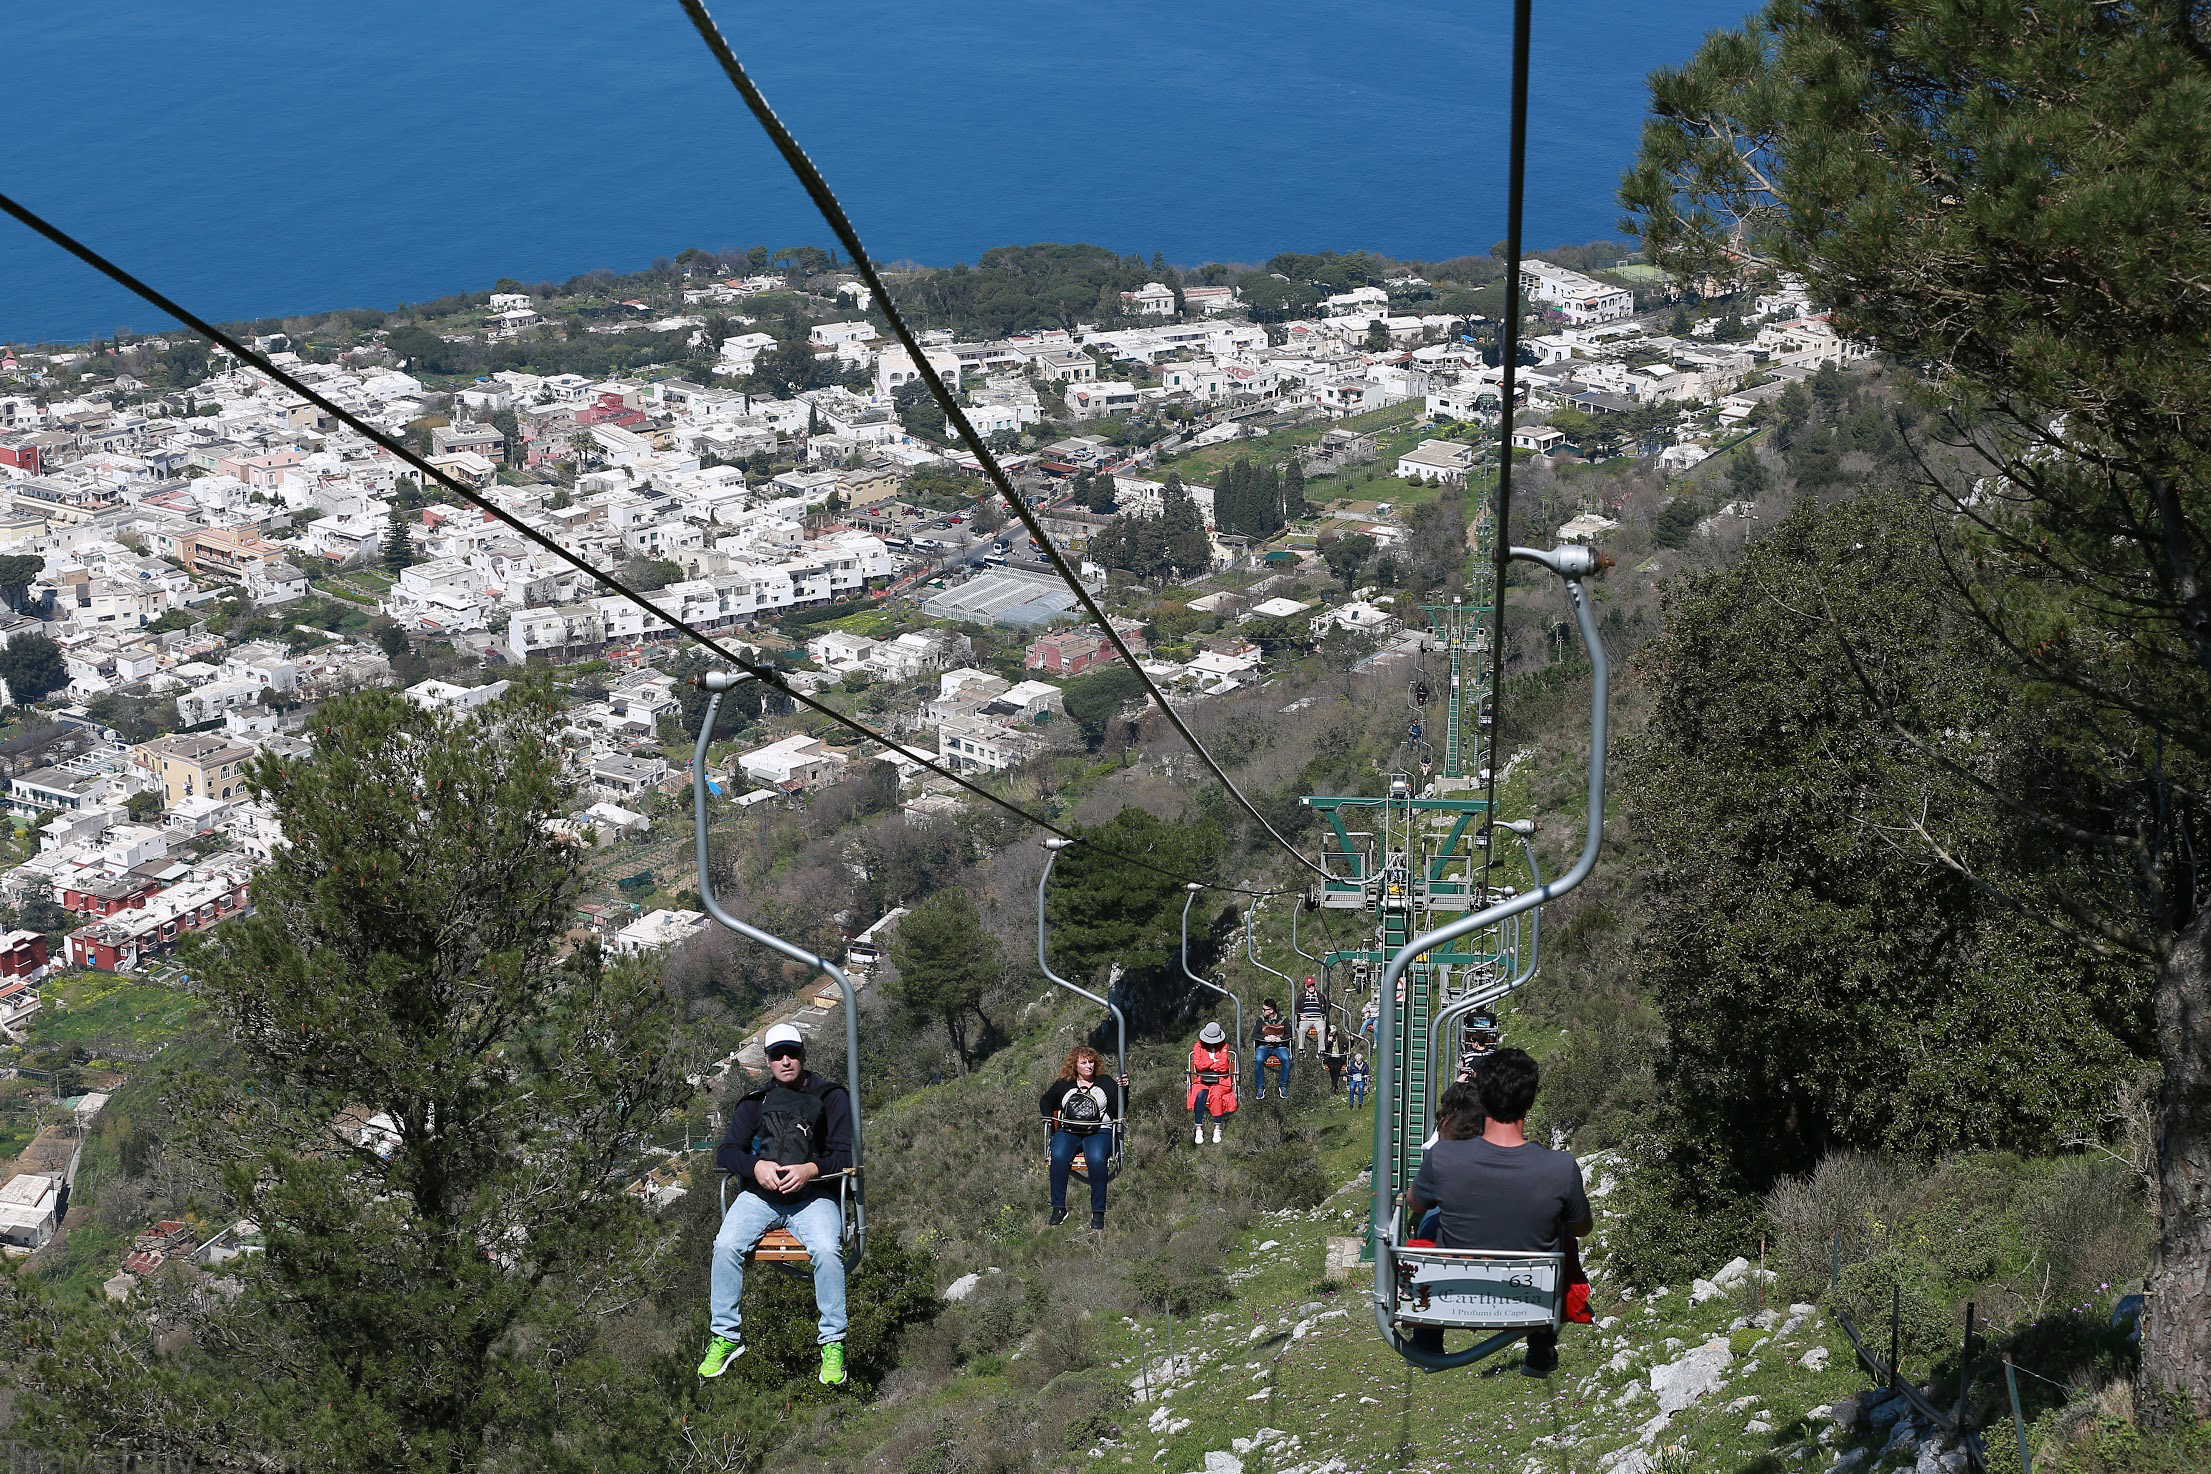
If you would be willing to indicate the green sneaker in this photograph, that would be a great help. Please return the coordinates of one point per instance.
(832, 1364)
(720, 1352)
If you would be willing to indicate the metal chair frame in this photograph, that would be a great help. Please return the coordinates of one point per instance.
(1572, 565)
(779, 1245)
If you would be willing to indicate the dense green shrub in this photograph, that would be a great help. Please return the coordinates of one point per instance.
(1660, 1231)
(1892, 1281)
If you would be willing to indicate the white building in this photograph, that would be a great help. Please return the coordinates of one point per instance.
(27, 1209)
(656, 931)
(436, 695)
(1579, 298)
(792, 764)
(1153, 299)
(1105, 397)
(895, 369)
(977, 745)
(840, 650)
(1436, 462)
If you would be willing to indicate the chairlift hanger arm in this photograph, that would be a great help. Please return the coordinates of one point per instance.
(1451, 1012)
(1190, 893)
(1572, 564)
(1251, 931)
(850, 1189)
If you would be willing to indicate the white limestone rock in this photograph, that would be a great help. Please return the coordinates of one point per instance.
(1693, 1377)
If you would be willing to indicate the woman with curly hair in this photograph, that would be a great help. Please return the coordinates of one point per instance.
(1083, 1107)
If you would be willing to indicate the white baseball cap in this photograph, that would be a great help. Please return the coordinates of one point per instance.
(783, 1034)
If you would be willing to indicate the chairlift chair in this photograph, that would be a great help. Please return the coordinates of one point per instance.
(1499, 1295)
(780, 1245)
(1116, 1129)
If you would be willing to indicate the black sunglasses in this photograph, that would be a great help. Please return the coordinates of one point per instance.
(787, 1051)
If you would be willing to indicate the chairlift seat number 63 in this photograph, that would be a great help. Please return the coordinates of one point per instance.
(1477, 1289)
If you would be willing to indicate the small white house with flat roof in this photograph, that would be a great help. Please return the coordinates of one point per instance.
(656, 931)
(28, 1204)
(792, 764)
(1436, 462)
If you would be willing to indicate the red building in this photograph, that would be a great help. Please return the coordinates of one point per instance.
(1069, 652)
(609, 409)
(127, 940)
(106, 897)
(22, 957)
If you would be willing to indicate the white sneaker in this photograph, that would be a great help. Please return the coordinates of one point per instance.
(1197, 1135)
(1216, 1133)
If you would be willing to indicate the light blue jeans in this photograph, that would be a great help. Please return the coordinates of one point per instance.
(1277, 1055)
(818, 1225)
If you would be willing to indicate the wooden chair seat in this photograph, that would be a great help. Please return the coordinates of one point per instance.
(779, 1246)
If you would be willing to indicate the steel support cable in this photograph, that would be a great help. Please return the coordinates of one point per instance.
(833, 213)
(767, 674)
(1509, 351)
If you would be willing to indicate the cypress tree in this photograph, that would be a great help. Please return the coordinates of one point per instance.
(1294, 506)
(398, 553)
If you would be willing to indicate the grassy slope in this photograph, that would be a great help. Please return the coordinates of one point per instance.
(1202, 466)
(1290, 1352)
(99, 1009)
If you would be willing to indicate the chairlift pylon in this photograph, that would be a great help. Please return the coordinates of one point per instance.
(1117, 1128)
(780, 1245)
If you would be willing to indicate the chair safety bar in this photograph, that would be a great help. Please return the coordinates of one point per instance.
(856, 1220)
(1052, 847)
(1450, 1012)
(1236, 1040)
(1572, 564)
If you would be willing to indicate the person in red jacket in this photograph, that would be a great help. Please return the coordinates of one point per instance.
(1212, 1081)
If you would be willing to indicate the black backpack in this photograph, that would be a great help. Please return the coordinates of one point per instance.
(1079, 1112)
(791, 1123)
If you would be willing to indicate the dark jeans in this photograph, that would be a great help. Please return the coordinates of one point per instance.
(1093, 1148)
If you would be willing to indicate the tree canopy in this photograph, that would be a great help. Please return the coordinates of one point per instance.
(2013, 201)
(431, 1108)
(32, 666)
(1105, 910)
(946, 960)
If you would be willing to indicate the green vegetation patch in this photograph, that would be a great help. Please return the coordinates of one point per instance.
(98, 1010)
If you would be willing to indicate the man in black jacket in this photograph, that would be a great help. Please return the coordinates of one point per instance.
(785, 1144)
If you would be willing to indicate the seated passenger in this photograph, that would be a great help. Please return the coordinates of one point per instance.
(1500, 1190)
(1083, 1107)
(1270, 1041)
(1312, 1015)
(1212, 1092)
(784, 1144)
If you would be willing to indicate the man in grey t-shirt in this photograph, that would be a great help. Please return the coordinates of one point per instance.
(1500, 1190)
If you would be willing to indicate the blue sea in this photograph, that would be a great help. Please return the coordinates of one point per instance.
(264, 157)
